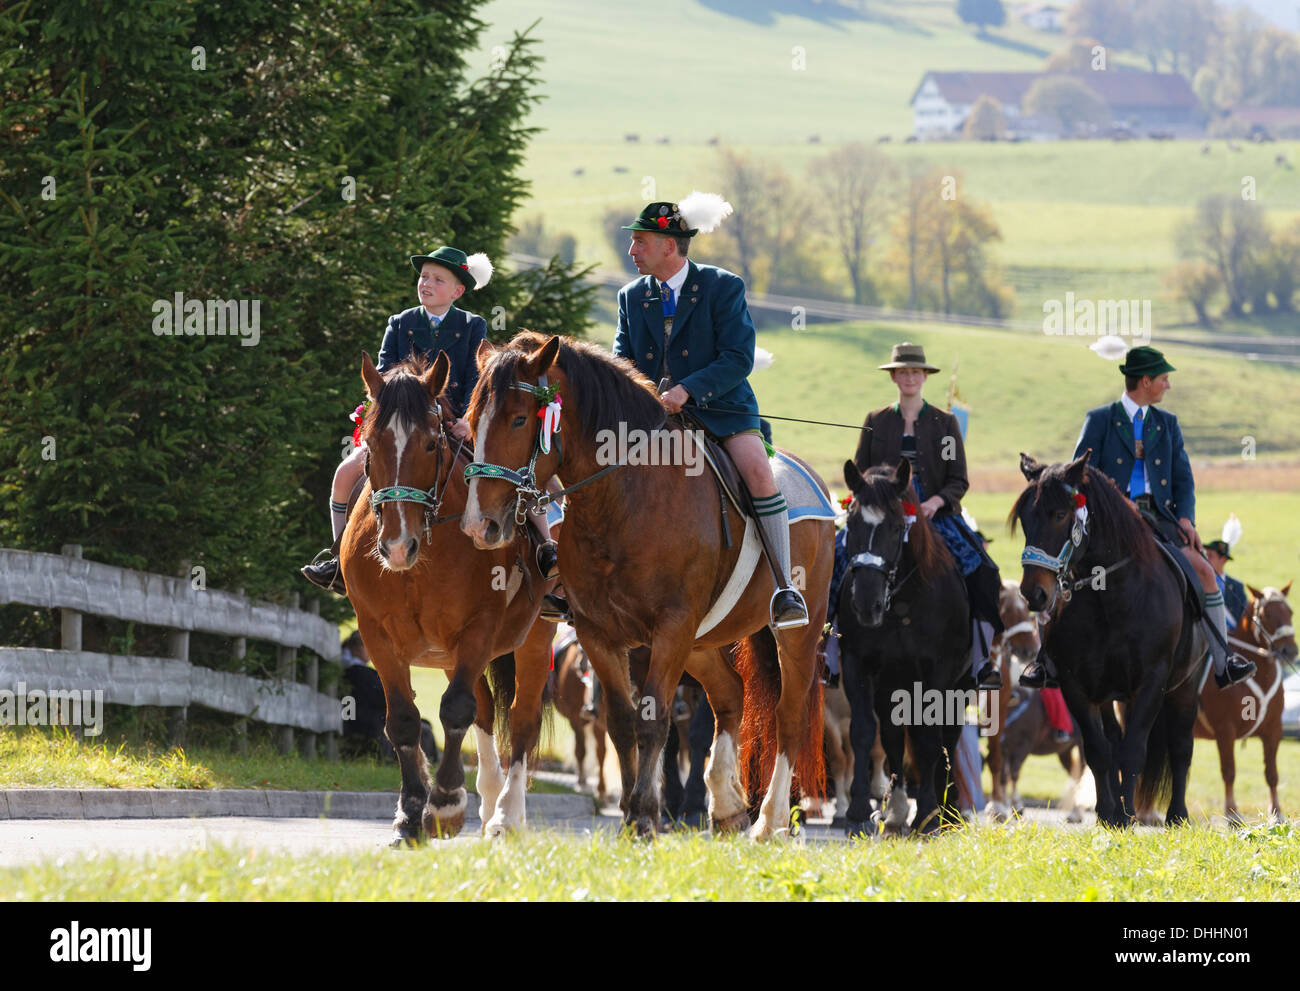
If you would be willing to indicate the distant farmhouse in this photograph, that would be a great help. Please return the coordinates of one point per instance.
(1141, 101)
(1042, 17)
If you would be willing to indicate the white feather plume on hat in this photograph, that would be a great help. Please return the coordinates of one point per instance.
(480, 267)
(704, 211)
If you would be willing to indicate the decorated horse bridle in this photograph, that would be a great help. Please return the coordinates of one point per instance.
(874, 562)
(1059, 564)
(524, 479)
(431, 498)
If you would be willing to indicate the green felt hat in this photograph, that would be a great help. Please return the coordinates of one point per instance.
(662, 218)
(1220, 547)
(449, 258)
(1145, 361)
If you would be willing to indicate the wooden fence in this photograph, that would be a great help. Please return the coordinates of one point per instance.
(76, 586)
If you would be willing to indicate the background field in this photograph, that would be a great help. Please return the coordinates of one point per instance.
(1096, 218)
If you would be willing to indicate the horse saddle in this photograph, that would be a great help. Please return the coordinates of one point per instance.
(1190, 581)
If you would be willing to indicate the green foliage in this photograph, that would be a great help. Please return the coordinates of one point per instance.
(289, 156)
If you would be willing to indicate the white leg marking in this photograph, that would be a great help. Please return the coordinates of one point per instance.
(509, 815)
(726, 796)
(879, 780)
(774, 817)
(490, 778)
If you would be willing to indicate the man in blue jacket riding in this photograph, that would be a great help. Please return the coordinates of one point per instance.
(687, 327)
(1141, 449)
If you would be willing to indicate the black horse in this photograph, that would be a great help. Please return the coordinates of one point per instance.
(904, 628)
(1119, 633)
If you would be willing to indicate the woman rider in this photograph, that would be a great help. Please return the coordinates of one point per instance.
(930, 439)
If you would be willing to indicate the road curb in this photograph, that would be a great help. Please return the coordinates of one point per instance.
(181, 803)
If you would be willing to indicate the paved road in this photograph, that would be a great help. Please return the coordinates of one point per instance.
(29, 841)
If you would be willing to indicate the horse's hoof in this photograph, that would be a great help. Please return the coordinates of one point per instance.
(865, 829)
(403, 839)
(444, 827)
(737, 823)
(497, 828)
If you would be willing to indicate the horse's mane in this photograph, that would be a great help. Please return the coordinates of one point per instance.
(930, 553)
(1116, 526)
(612, 390)
(403, 396)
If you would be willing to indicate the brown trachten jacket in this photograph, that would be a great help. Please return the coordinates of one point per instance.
(883, 445)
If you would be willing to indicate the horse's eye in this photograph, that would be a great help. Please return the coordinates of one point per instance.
(519, 421)
(433, 443)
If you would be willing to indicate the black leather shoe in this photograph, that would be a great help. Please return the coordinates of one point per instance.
(788, 609)
(1036, 676)
(548, 558)
(989, 677)
(326, 574)
(556, 609)
(1238, 669)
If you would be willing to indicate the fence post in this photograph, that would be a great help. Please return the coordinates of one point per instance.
(238, 650)
(331, 738)
(178, 646)
(313, 682)
(284, 670)
(70, 619)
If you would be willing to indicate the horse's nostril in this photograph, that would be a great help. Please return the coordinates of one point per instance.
(383, 549)
(412, 546)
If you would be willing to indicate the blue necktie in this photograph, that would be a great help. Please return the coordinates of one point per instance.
(670, 304)
(1137, 482)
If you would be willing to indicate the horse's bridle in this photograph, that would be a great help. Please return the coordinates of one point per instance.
(874, 562)
(431, 498)
(528, 497)
(1269, 638)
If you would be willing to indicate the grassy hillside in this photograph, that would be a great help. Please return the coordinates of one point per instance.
(699, 68)
(1028, 391)
(1096, 218)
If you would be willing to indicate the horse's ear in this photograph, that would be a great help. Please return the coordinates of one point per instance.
(1030, 468)
(1286, 589)
(435, 379)
(370, 376)
(541, 361)
(486, 349)
(1075, 471)
(852, 477)
(902, 476)
(1256, 593)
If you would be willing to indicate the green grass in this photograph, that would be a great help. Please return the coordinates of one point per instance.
(1028, 392)
(1031, 863)
(33, 758)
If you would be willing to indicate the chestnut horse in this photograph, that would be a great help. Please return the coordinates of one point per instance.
(573, 687)
(1119, 632)
(644, 560)
(1253, 707)
(424, 596)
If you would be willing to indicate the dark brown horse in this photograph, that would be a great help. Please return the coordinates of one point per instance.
(573, 690)
(424, 596)
(644, 560)
(1253, 707)
(1118, 632)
